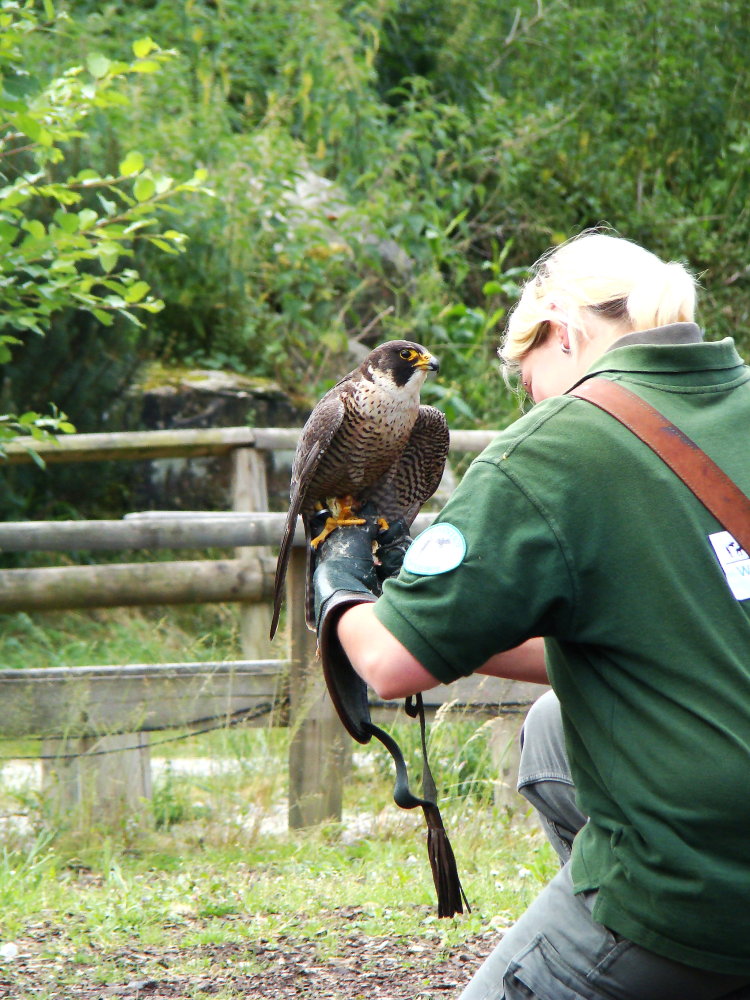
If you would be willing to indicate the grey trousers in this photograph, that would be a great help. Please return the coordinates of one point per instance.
(557, 951)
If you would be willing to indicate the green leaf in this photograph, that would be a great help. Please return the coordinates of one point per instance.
(29, 125)
(8, 231)
(65, 263)
(146, 66)
(86, 176)
(142, 47)
(162, 244)
(36, 457)
(132, 164)
(108, 254)
(110, 207)
(35, 228)
(152, 305)
(87, 218)
(137, 291)
(67, 221)
(144, 188)
(163, 183)
(98, 65)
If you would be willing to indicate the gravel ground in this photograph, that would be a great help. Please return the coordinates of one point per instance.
(376, 968)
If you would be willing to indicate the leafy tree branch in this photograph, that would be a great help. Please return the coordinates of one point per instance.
(65, 238)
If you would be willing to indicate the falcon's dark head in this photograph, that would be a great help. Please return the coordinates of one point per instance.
(400, 361)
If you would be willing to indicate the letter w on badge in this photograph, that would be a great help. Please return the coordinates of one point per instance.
(734, 561)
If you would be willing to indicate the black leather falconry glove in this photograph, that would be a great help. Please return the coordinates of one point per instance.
(392, 546)
(347, 573)
(350, 567)
(352, 563)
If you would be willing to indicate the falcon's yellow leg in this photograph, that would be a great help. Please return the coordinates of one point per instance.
(343, 517)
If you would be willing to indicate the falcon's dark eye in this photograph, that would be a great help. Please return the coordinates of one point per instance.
(407, 354)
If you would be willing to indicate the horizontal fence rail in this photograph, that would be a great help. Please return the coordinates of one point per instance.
(140, 445)
(75, 702)
(130, 585)
(160, 530)
(68, 702)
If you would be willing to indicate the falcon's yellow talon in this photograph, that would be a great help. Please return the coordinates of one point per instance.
(383, 524)
(330, 526)
(342, 507)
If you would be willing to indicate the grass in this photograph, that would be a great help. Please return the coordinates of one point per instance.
(218, 872)
(118, 636)
(93, 909)
(176, 897)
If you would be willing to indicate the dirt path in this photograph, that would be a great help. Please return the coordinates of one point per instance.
(375, 968)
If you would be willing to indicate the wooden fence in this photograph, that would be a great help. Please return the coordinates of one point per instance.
(94, 721)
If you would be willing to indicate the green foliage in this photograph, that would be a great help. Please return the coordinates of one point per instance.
(32, 426)
(79, 638)
(94, 217)
(170, 803)
(630, 113)
(63, 235)
(459, 753)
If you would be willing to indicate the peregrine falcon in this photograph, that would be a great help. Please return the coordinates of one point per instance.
(368, 438)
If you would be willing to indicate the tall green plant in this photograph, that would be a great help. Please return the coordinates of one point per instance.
(64, 237)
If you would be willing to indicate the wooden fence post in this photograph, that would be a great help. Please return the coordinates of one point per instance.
(102, 782)
(506, 756)
(320, 748)
(250, 493)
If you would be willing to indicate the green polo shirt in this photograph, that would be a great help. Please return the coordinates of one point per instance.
(568, 526)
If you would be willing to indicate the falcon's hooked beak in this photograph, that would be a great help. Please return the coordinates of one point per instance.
(427, 363)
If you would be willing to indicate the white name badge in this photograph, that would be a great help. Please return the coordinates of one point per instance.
(438, 549)
(734, 561)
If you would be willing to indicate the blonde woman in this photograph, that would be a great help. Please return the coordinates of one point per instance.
(571, 555)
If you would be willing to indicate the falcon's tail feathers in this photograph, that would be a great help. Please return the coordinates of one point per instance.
(281, 565)
(309, 593)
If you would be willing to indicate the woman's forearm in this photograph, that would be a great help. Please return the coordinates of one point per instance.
(378, 657)
(391, 670)
(522, 663)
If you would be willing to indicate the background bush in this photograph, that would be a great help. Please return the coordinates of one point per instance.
(388, 168)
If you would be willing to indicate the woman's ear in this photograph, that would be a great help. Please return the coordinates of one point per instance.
(559, 330)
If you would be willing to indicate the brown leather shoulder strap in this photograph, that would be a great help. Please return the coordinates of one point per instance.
(701, 475)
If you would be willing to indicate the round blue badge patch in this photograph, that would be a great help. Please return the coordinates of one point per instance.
(438, 549)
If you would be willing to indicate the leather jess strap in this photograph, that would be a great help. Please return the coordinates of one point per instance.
(701, 475)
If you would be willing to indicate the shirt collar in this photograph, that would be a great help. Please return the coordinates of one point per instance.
(676, 348)
(675, 333)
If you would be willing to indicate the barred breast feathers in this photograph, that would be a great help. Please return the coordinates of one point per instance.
(352, 443)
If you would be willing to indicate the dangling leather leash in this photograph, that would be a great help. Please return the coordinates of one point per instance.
(448, 886)
(703, 477)
(348, 693)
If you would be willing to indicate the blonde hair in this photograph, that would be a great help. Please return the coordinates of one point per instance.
(610, 277)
